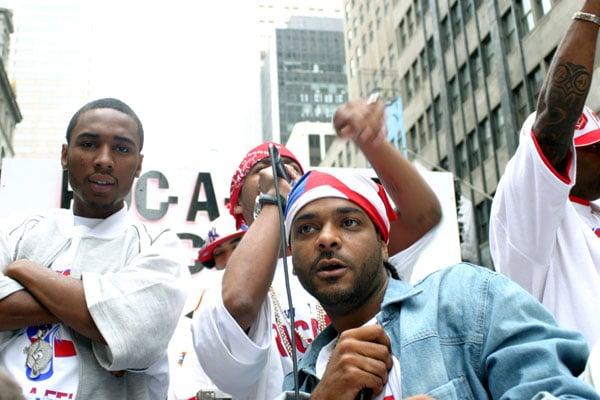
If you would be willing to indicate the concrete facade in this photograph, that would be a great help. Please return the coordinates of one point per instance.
(468, 72)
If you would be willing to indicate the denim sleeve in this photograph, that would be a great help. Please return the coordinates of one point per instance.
(525, 355)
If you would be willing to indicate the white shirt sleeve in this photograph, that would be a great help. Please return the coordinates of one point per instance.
(234, 360)
(526, 213)
(137, 308)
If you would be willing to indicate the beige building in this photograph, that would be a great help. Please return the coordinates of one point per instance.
(10, 114)
(468, 73)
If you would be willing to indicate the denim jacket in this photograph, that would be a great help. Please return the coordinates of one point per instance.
(468, 333)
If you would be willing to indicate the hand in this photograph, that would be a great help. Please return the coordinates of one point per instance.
(266, 183)
(361, 359)
(362, 122)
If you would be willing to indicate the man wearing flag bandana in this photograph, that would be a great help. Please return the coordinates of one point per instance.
(246, 325)
(462, 332)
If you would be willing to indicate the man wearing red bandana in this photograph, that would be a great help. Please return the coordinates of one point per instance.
(245, 326)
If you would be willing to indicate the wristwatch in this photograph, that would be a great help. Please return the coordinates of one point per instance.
(265, 198)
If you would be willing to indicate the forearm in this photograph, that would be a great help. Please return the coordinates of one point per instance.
(566, 87)
(418, 207)
(250, 269)
(62, 296)
(21, 309)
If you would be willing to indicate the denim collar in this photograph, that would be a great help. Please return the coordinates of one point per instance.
(396, 292)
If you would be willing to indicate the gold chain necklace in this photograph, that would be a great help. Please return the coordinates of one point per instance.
(279, 323)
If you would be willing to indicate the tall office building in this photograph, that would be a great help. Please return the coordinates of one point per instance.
(51, 63)
(10, 114)
(468, 72)
(303, 75)
(273, 14)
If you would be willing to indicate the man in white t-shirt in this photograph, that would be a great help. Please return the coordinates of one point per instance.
(187, 375)
(242, 333)
(544, 227)
(88, 298)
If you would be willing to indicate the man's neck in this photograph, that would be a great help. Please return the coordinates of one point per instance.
(361, 315)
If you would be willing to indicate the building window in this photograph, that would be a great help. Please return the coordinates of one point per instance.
(520, 99)
(370, 32)
(425, 4)
(525, 16)
(408, 86)
(391, 56)
(455, 19)
(314, 149)
(423, 62)
(377, 17)
(422, 133)
(544, 6)
(431, 54)
(498, 127)
(487, 146)
(476, 70)
(462, 159)
(454, 95)
(410, 21)
(416, 72)
(467, 8)
(473, 149)
(509, 31)
(535, 80)
(430, 122)
(488, 55)
(412, 134)
(438, 113)
(482, 217)
(401, 35)
(445, 34)
(417, 7)
(463, 76)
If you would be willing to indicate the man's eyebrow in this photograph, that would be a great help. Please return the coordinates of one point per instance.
(117, 138)
(124, 139)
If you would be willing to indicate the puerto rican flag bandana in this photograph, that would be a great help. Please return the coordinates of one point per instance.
(362, 191)
(237, 181)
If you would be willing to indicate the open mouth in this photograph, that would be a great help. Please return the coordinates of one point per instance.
(101, 183)
(329, 269)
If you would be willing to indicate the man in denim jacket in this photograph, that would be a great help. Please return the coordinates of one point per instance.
(463, 332)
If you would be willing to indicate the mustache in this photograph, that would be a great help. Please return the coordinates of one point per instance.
(328, 255)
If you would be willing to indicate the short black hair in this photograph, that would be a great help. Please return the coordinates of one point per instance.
(107, 102)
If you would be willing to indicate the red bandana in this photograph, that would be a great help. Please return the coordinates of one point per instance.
(237, 181)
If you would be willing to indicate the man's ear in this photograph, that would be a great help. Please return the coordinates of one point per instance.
(138, 171)
(64, 156)
(384, 251)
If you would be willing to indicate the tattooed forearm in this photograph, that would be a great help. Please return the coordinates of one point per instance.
(559, 107)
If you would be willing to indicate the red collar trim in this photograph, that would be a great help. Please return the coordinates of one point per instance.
(564, 177)
(579, 200)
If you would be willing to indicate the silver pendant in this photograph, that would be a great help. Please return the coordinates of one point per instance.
(39, 355)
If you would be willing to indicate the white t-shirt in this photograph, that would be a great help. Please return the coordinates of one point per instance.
(60, 378)
(187, 375)
(393, 387)
(253, 365)
(544, 241)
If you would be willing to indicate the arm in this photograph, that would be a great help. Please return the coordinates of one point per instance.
(418, 207)
(251, 267)
(21, 309)
(565, 89)
(59, 295)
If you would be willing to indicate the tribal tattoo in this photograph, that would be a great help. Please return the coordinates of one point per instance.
(559, 108)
